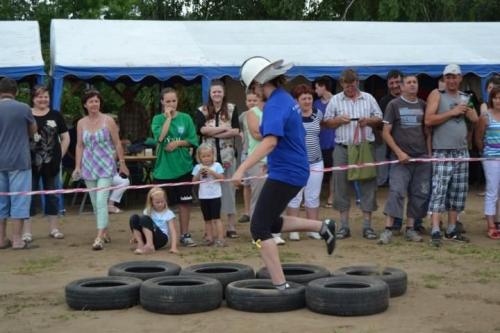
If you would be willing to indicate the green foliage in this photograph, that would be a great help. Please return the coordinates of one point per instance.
(44, 11)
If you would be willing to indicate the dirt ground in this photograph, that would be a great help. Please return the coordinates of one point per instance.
(452, 289)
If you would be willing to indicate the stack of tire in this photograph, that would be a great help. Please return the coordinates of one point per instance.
(164, 287)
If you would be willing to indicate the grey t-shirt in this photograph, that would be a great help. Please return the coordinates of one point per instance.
(407, 120)
(451, 134)
(15, 117)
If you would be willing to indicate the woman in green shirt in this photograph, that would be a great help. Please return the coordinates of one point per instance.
(175, 133)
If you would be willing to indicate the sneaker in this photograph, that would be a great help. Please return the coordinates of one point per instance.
(98, 244)
(294, 236)
(396, 227)
(436, 239)
(329, 235)
(27, 237)
(187, 241)
(278, 240)
(420, 229)
(244, 218)
(385, 237)
(460, 227)
(456, 236)
(313, 235)
(343, 233)
(412, 235)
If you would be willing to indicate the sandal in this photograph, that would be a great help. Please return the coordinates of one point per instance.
(27, 237)
(144, 250)
(98, 244)
(328, 205)
(114, 210)
(55, 233)
(26, 246)
(343, 233)
(369, 233)
(232, 234)
(106, 239)
(493, 233)
(207, 242)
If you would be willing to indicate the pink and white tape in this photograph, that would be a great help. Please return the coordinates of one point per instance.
(336, 168)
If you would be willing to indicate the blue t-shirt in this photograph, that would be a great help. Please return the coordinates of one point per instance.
(288, 161)
(326, 134)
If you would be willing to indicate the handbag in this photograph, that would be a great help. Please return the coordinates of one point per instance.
(359, 153)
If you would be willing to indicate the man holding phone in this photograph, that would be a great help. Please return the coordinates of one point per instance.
(346, 111)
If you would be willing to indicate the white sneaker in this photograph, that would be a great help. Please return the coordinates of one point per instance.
(313, 235)
(278, 240)
(294, 236)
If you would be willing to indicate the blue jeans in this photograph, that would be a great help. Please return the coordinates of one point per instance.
(16, 206)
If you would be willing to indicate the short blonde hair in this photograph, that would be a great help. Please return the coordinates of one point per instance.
(205, 146)
(149, 199)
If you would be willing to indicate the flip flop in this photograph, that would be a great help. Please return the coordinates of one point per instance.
(6, 244)
(26, 246)
(55, 233)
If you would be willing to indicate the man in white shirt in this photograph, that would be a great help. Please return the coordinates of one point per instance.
(345, 112)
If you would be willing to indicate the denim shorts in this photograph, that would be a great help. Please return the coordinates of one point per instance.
(17, 206)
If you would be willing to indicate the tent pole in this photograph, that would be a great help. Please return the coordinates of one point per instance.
(205, 88)
(57, 90)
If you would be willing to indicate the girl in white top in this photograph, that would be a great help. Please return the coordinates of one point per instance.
(210, 193)
(152, 230)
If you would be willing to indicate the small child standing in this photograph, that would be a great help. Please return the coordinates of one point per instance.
(210, 194)
(152, 230)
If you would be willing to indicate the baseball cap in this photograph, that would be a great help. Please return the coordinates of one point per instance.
(452, 69)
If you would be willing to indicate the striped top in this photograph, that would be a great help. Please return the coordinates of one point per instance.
(98, 159)
(492, 137)
(312, 126)
(363, 106)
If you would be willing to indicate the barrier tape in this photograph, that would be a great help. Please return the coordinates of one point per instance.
(336, 168)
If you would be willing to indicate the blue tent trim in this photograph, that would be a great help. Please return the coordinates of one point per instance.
(209, 73)
(18, 73)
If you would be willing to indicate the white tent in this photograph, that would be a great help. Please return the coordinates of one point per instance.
(21, 52)
(212, 49)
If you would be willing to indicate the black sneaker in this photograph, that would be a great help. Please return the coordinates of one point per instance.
(436, 239)
(456, 236)
(328, 235)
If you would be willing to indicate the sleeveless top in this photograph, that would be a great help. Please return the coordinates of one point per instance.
(252, 142)
(451, 134)
(98, 158)
(492, 137)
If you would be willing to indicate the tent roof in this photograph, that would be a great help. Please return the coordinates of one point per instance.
(87, 48)
(21, 53)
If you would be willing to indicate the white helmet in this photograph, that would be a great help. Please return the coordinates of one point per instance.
(261, 70)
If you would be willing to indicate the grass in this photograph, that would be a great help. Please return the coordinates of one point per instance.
(34, 266)
(476, 252)
(432, 281)
(486, 275)
(15, 303)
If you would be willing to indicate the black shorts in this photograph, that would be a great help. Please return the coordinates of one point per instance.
(210, 208)
(178, 194)
(273, 199)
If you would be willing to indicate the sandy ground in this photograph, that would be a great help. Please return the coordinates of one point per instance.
(452, 289)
